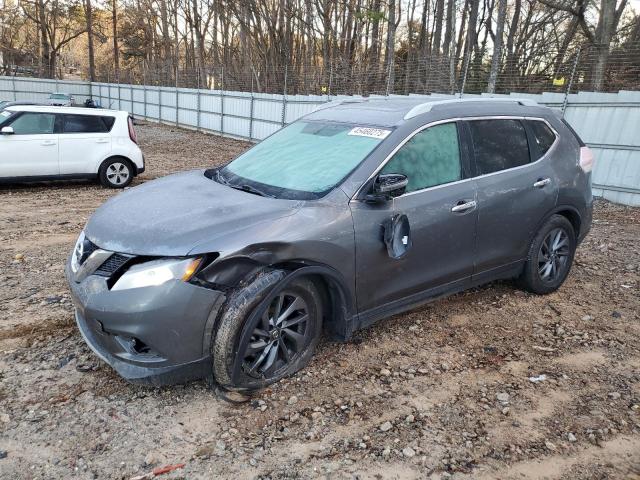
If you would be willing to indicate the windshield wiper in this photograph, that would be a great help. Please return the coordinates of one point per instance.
(250, 189)
(243, 187)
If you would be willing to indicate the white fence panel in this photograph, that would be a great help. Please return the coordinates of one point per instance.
(607, 122)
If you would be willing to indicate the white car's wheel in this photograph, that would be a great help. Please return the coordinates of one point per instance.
(116, 173)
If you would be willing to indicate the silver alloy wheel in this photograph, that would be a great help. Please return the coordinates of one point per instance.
(280, 335)
(117, 173)
(553, 255)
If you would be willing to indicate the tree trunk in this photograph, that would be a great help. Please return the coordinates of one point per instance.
(497, 46)
(390, 50)
(116, 50)
(89, 17)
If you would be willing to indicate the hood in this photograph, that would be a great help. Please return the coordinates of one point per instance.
(171, 215)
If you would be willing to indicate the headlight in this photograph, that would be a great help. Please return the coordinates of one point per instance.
(78, 253)
(157, 272)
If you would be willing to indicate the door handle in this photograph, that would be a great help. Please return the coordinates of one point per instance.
(102, 140)
(48, 142)
(463, 207)
(542, 182)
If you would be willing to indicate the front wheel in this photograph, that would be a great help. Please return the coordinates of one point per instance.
(116, 173)
(550, 256)
(268, 331)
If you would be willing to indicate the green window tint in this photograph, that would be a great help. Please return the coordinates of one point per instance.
(431, 157)
(306, 156)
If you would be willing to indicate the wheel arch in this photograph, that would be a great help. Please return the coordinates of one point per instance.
(113, 156)
(338, 300)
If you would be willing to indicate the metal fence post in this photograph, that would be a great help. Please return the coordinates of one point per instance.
(466, 70)
(159, 104)
(222, 101)
(198, 102)
(13, 86)
(109, 89)
(251, 107)
(177, 98)
(573, 72)
(144, 91)
(119, 101)
(284, 96)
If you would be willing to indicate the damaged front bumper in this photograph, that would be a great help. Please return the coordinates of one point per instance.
(152, 335)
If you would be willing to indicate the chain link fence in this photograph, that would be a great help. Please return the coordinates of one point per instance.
(543, 70)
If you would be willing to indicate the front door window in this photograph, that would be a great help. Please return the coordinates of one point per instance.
(431, 157)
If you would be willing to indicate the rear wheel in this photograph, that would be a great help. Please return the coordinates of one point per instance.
(116, 173)
(269, 331)
(550, 256)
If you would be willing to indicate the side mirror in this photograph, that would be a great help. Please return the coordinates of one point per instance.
(7, 131)
(387, 186)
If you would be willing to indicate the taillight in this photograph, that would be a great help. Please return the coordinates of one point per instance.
(586, 159)
(132, 131)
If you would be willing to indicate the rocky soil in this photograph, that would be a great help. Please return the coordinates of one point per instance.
(490, 383)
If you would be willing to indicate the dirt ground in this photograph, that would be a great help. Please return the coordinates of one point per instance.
(445, 391)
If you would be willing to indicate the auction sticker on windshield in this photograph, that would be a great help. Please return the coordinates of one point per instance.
(370, 132)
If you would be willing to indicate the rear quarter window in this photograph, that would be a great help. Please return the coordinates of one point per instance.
(543, 137)
(108, 122)
(576, 136)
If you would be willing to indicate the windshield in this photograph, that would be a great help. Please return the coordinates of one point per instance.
(4, 116)
(304, 160)
(59, 96)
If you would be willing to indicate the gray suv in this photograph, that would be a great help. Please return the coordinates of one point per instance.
(356, 212)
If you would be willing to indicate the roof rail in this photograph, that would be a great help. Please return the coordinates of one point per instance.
(427, 106)
(335, 103)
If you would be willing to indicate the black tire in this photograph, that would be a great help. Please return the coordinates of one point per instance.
(236, 339)
(550, 256)
(116, 172)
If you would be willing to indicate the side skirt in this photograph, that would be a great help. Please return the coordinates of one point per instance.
(369, 317)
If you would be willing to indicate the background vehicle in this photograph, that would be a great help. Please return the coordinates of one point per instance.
(44, 143)
(347, 216)
(61, 100)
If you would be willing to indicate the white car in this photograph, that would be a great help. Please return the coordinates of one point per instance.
(61, 100)
(44, 143)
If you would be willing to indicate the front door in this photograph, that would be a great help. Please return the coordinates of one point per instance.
(439, 203)
(32, 150)
(514, 192)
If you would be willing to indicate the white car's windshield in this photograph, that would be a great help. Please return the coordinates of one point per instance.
(305, 159)
(4, 116)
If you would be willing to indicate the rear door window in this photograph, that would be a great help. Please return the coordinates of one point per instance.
(499, 144)
(32, 123)
(431, 157)
(84, 124)
(542, 135)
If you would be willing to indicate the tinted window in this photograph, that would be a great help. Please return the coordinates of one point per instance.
(543, 136)
(109, 121)
(84, 124)
(499, 144)
(30, 123)
(429, 158)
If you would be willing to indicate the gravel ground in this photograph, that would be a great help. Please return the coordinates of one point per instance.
(490, 383)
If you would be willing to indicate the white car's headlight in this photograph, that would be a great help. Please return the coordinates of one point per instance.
(157, 272)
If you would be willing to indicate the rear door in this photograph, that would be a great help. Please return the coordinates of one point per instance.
(515, 190)
(32, 150)
(84, 142)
